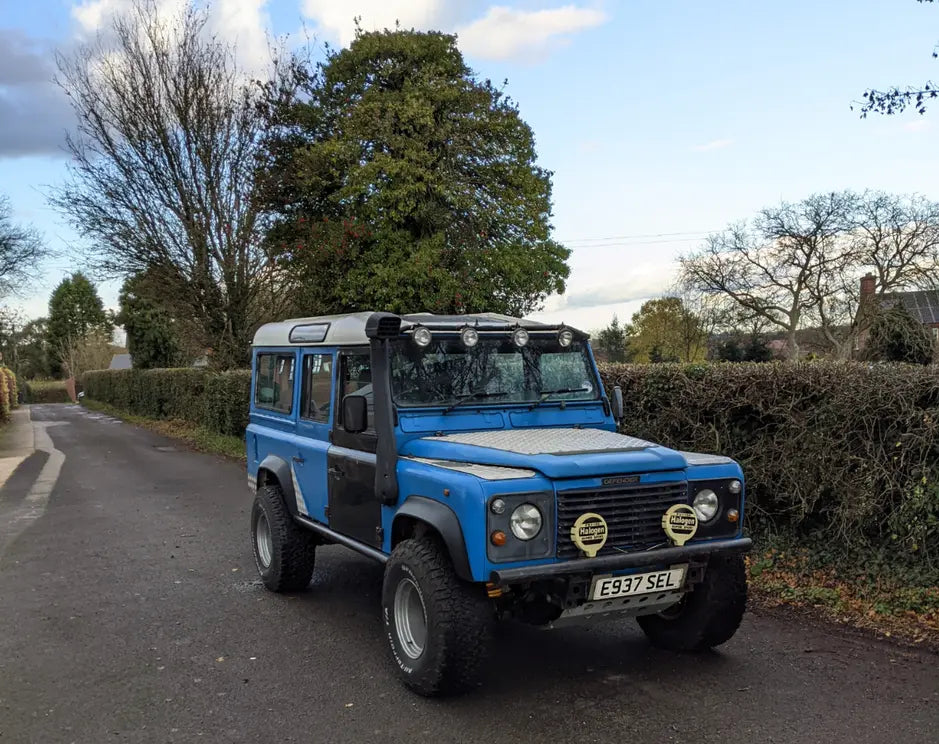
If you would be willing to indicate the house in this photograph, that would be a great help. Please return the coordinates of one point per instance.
(922, 304)
(120, 361)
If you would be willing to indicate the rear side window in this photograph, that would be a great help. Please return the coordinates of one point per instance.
(273, 386)
(317, 387)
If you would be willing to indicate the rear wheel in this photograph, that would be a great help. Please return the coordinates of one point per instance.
(283, 551)
(707, 616)
(438, 626)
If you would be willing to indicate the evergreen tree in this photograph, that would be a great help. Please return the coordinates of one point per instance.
(75, 313)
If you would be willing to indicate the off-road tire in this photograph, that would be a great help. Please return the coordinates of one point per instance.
(293, 549)
(709, 615)
(459, 618)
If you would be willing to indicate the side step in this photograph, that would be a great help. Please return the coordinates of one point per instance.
(334, 537)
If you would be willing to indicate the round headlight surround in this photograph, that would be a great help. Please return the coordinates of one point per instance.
(706, 505)
(520, 337)
(526, 522)
(422, 336)
(469, 336)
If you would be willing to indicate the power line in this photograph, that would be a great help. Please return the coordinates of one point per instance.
(625, 244)
(637, 236)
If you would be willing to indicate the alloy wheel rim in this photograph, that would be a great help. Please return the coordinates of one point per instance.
(410, 618)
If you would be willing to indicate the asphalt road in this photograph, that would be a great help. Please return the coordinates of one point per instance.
(130, 611)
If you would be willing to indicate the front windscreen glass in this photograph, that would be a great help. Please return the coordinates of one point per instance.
(493, 372)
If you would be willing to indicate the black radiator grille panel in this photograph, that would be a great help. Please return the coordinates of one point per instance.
(633, 514)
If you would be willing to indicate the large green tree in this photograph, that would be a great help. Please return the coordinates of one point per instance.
(76, 313)
(398, 180)
(152, 336)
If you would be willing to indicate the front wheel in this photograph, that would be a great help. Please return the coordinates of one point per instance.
(438, 626)
(707, 616)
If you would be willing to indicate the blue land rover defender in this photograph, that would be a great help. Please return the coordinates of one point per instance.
(477, 457)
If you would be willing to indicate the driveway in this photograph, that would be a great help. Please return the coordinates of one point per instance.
(130, 610)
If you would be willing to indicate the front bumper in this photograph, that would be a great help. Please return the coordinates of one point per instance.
(505, 576)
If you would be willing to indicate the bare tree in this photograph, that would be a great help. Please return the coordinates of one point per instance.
(163, 169)
(799, 265)
(21, 251)
(773, 267)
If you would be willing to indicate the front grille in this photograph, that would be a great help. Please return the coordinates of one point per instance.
(633, 514)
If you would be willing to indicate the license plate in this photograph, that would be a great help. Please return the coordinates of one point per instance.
(610, 587)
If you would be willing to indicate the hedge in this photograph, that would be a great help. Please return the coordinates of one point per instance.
(10, 378)
(4, 395)
(217, 401)
(46, 391)
(846, 453)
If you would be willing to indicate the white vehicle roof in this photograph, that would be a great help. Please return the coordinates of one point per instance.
(349, 329)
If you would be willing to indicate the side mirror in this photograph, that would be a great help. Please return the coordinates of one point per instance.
(617, 403)
(354, 413)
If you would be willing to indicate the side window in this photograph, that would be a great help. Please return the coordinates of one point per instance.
(356, 378)
(273, 387)
(317, 387)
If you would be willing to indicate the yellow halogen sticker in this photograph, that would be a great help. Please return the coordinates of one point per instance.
(589, 533)
(680, 523)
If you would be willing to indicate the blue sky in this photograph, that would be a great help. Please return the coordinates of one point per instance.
(662, 121)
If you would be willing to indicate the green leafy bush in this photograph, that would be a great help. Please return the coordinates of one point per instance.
(216, 400)
(842, 454)
(46, 391)
(10, 386)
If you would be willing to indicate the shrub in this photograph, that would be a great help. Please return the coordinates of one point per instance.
(217, 401)
(842, 452)
(10, 386)
(47, 391)
(4, 396)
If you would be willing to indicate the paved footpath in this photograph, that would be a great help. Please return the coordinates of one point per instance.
(130, 611)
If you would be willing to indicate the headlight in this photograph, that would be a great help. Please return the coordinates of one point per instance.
(526, 522)
(706, 504)
(735, 487)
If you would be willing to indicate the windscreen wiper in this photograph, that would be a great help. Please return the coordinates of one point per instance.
(545, 394)
(477, 394)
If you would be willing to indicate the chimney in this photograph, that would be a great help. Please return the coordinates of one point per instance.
(868, 283)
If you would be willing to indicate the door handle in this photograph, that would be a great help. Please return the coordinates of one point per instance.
(298, 459)
(336, 472)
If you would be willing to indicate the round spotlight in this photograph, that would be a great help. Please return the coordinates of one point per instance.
(422, 336)
(470, 337)
(735, 487)
(520, 337)
(565, 338)
(497, 506)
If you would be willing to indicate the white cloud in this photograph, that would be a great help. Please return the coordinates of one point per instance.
(718, 144)
(242, 23)
(506, 33)
(337, 17)
(501, 33)
(919, 125)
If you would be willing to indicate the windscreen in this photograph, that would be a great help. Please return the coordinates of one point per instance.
(495, 371)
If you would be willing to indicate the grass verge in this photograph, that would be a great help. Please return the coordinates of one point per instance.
(197, 437)
(890, 607)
